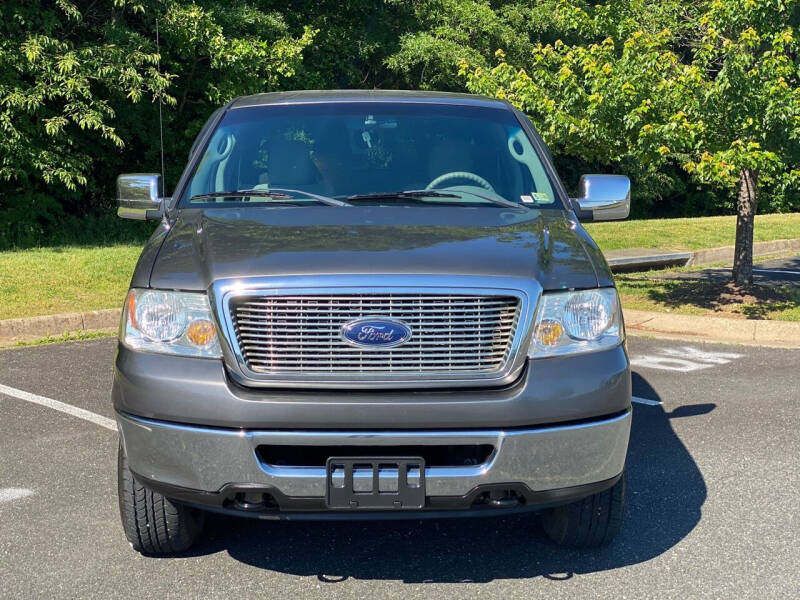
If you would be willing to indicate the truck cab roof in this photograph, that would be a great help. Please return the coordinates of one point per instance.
(322, 96)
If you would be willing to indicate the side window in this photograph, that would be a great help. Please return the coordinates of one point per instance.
(211, 171)
(537, 137)
(521, 150)
(203, 131)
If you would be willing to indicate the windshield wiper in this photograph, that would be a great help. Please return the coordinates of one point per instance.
(433, 194)
(277, 194)
(323, 199)
(498, 201)
(240, 194)
(403, 195)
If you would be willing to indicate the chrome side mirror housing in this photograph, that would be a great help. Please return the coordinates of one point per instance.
(604, 197)
(140, 196)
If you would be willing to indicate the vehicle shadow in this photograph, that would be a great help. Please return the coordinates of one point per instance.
(665, 494)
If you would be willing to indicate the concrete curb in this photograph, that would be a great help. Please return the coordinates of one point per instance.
(637, 322)
(34, 328)
(716, 255)
(642, 258)
(713, 329)
(639, 259)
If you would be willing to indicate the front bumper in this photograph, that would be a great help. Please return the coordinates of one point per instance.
(199, 391)
(213, 465)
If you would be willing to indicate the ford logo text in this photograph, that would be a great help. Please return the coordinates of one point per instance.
(375, 333)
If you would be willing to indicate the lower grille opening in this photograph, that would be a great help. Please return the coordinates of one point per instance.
(455, 455)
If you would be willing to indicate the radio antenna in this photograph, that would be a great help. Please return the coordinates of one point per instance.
(160, 118)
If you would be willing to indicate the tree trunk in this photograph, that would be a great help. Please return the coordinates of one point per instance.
(746, 209)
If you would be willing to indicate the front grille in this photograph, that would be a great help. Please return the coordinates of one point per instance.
(300, 335)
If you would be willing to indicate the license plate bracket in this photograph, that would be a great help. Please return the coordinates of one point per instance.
(375, 483)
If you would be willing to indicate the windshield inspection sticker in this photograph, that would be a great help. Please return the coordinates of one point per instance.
(535, 198)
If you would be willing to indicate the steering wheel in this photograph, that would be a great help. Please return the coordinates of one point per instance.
(460, 175)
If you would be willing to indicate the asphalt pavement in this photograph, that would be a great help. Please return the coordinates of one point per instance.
(714, 471)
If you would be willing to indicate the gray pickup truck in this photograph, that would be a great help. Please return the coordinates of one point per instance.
(371, 304)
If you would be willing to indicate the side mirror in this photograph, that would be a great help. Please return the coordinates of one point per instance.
(604, 197)
(139, 196)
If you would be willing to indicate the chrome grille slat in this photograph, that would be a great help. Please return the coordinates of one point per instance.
(277, 339)
(255, 348)
(311, 323)
(248, 325)
(454, 334)
(438, 314)
(354, 352)
(449, 361)
(339, 308)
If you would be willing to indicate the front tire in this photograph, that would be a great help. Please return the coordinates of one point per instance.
(590, 522)
(153, 524)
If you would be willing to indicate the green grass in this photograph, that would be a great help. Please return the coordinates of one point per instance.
(689, 234)
(61, 280)
(74, 336)
(75, 279)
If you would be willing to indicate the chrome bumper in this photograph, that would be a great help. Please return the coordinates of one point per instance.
(207, 459)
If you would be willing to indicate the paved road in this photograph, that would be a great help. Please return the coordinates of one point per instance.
(714, 473)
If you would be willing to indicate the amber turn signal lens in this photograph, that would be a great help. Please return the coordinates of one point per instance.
(201, 332)
(131, 308)
(548, 332)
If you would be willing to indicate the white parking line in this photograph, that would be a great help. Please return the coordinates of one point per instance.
(646, 401)
(9, 494)
(60, 406)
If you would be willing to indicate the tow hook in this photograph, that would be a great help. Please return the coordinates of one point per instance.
(250, 502)
(504, 499)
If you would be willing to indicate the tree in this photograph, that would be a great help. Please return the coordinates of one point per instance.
(444, 32)
(748, 103)
(608, 98)
(717, 94)
(79, 94)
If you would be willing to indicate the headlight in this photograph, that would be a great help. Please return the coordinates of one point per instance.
(169, 322)
(575, 322)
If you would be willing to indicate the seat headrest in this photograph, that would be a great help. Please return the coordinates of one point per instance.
(290, 164)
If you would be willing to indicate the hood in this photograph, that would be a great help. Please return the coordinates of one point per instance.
(237, 242)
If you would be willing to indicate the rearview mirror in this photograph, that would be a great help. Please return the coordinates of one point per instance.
(604, 197)
(139, 196)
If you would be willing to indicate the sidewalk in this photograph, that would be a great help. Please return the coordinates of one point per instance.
(713, 329)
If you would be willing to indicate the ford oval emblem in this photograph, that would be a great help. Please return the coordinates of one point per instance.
(375, 332)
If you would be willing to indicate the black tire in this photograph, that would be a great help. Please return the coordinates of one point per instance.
(588, 523)
(153, 524)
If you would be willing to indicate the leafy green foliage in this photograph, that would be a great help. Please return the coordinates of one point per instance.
(449, 31)
(664, 91)
(80, 84)
(50, 95)
(681, 96)
(749, 72)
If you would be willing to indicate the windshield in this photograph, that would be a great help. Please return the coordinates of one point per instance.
(367, 152)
